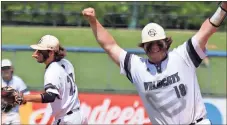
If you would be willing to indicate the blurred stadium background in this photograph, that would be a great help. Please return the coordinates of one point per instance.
(23, 23)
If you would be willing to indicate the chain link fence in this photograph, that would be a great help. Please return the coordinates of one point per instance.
(110, 14)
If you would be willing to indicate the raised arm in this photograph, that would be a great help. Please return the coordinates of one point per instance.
(104, 38)
(210, 25)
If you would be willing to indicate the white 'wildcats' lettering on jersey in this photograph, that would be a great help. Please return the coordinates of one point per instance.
(58, 81)
(172, 94)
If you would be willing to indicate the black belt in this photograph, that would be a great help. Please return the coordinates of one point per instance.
(68, 113)
(71, 111)
(198, 120)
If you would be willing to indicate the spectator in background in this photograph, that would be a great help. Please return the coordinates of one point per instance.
(9, 79)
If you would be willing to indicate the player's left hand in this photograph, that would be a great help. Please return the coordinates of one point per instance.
(11, 97)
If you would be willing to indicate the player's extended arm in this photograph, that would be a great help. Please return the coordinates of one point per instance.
(46, 97)
(210, 25)
(33, 98)
(104, 38)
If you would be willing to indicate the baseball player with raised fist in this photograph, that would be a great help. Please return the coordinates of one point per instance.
(166, 81)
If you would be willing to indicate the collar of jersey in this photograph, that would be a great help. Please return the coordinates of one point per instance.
(160, 61)
(7, 82)
(49, 64)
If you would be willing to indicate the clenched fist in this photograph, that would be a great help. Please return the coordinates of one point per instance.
(89, 13)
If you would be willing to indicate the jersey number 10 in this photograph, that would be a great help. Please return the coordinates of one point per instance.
(71, 82)
(182, 91)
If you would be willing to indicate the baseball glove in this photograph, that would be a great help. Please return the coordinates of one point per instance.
(10, 98)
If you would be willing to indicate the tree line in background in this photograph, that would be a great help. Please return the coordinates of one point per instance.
(172, 15)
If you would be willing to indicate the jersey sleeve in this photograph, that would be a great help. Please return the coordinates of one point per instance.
(191, 52)
(52, 81)
(22, 86)
(128, 64)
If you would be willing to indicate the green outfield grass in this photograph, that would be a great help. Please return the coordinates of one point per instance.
(97, 71)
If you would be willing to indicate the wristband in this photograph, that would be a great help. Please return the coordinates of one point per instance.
(218, 17)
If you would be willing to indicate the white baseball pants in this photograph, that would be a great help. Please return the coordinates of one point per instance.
(75, 118)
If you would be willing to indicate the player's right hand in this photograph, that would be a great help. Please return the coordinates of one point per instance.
(89, 13)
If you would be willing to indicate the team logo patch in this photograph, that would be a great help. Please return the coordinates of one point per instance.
(152, 32)
(40, 41)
